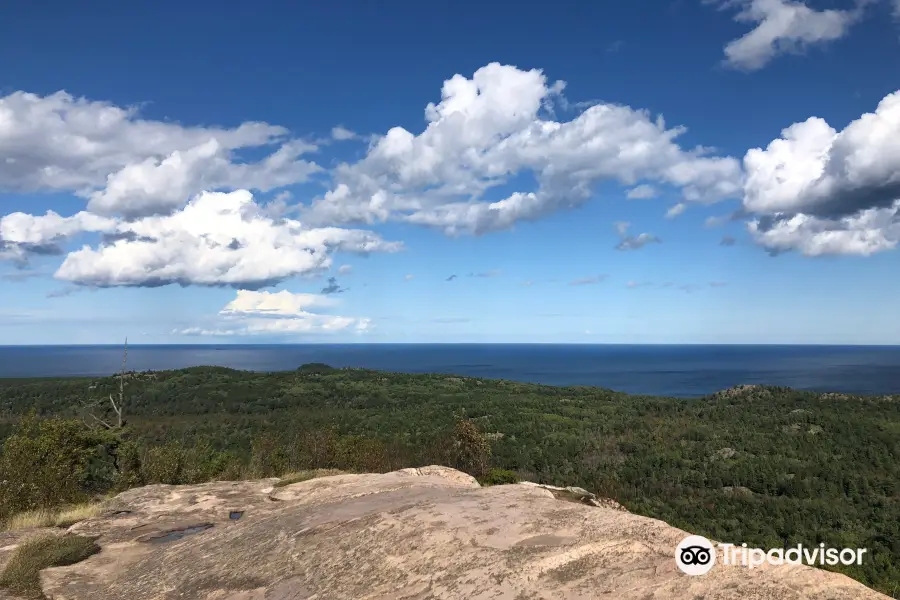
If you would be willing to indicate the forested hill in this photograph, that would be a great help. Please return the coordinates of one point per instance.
(761, 465)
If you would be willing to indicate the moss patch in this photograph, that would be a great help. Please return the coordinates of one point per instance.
(22, 573)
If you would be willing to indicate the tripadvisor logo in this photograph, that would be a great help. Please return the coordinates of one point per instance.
(696, 555)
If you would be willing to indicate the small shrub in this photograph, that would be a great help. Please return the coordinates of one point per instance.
(164, 464)
(22, 573)
(268, 456)
(500, 477)
(358, 453)
(469, 450)
(130, 474)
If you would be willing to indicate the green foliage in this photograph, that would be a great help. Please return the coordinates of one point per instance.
(46, 462)
(760, 465)
(164, 464)
(21, 576)
(500, 477)
(130, 467)
(270, 456)
(315, 369)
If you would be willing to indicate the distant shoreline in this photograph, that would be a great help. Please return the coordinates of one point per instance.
(357, 344)
(684, 371)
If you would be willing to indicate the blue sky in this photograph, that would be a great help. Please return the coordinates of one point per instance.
(694, 171)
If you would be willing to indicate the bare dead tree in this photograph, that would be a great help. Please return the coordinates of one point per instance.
(117, 405)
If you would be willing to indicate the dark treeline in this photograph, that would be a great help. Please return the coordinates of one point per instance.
(766, 466)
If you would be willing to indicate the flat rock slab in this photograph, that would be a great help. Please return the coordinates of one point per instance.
(411, 534)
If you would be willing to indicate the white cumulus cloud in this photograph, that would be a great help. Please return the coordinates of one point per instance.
(342, 134)
(283, 303)
(127, 165)
(782, 26)
(642, 192)
(865, 233)
(25, 229)
(494, 126)
(272, 313)
(822, 191)
(217, 239)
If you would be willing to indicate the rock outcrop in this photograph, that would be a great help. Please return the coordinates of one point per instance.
(421, 533)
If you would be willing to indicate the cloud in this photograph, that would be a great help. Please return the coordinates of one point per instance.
(273, 313)
(450, 320)
(727, 240)
(676, 210)
(23, 236)
(589, 280)
(718, 221)
(126, 165)
(487, 274)
(50, 228)
(636, 284)
(278, 207)
(494, 126)
(408, 277)
(630, 242)
(333, 287)
(342, 134)
(868, 232)
(21, 275)
(63, 292)
(283, 303)
(451, 278)
(160, 186)
(817, 170)
(717, 284)
(217, 239)
(345, 269)
(821, 191)
(642, 192)
(782, 26)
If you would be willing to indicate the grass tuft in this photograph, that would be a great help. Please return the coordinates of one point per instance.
(41, 517)
(74, 514)
(298, 476)
(22, 573)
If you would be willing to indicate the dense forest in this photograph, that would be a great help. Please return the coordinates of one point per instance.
(762, 465)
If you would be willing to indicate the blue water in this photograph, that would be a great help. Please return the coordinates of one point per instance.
(684, 371)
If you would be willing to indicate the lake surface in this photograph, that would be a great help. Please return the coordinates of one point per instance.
(684, 371)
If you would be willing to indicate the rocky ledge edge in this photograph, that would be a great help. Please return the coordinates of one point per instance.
(430, 532)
